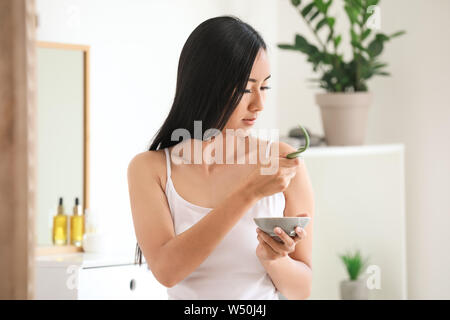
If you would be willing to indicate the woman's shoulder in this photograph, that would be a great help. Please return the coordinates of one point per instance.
(149, 163)
(147, 158)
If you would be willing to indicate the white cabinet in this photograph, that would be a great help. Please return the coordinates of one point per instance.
(87, 276)
(360, 204)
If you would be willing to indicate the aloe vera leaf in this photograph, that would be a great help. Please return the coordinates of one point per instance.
(301, 149)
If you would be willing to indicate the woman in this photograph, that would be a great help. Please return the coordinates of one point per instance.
(194, 221)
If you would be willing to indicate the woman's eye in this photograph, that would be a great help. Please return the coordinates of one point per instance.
(262, 88)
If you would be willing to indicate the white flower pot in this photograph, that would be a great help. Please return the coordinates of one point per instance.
(344, 116)
(354, 290)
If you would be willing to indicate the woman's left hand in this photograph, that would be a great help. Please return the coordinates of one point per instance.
(271, 249)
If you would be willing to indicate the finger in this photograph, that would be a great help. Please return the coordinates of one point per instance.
(285, 153)
(276, 246)
(289, 176)
(269, 250)
(287, 240)
(285, 162)
(288, 172)
(304, 234)
(300, 234)
(288, 163)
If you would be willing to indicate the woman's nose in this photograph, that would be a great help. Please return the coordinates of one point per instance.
(256, 107)
(257, 103)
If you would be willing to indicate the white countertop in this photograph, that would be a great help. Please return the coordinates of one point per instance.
(324, 150)
(84, 260)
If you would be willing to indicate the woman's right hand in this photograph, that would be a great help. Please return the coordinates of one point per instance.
(262, 182)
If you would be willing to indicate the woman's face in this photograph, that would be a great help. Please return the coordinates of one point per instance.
(254, 97)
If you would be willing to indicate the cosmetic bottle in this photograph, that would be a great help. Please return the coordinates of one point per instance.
(60, 225)
(77, 225)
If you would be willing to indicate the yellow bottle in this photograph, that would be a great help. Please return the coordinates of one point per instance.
(77, 225)
(60, 220)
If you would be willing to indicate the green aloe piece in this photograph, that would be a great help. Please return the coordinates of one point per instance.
(300, 150)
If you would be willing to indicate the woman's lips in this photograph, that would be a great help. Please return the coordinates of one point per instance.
(249, 121)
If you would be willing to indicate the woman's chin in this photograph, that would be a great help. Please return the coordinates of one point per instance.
(243, 132)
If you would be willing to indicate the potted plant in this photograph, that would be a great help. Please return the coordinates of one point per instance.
(355, 288)
(344, 105)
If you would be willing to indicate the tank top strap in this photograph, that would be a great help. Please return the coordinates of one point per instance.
(167, 162)
(269, 144)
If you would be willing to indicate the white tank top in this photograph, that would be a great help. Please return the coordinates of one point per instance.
(232, 271)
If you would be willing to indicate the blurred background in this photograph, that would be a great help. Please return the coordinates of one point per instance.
(387, 196)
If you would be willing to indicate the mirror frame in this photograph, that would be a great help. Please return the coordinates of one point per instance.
(45, 250)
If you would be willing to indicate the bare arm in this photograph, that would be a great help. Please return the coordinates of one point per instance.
(172, 257)
(292, 274)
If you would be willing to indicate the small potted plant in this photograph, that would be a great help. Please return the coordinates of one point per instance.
(344, 106)
(354, 288)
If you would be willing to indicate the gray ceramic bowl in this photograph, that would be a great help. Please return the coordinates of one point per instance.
(288, 224)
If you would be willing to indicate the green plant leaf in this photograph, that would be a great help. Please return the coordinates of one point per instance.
(359, 3)
(354, 263)
(356, 44)
(330, 35)
(365, 34)
(375, 48)
(327, 5)
(304, 46)
(352, 14)
(330, 22)
(379, 65)
(337, 40)
(355, 37)
(307, 9)
(381, 37)
(296, 3)
(399, 33)
(300, 41)
(321, 6)
(287, 46)
(301, 44)
(320, 24)
(314, 15)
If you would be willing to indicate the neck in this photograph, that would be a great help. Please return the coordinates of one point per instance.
(211, 153)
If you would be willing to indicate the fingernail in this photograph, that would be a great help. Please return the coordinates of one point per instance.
(278, 230)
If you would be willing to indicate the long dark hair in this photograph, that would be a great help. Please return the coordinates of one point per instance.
(213, 72)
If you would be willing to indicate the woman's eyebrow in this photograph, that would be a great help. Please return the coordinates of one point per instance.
(253, 80)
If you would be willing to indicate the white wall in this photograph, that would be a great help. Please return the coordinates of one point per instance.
(135, 46)
(410, 107)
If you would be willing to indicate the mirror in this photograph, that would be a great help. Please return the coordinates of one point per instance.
(62, 132)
